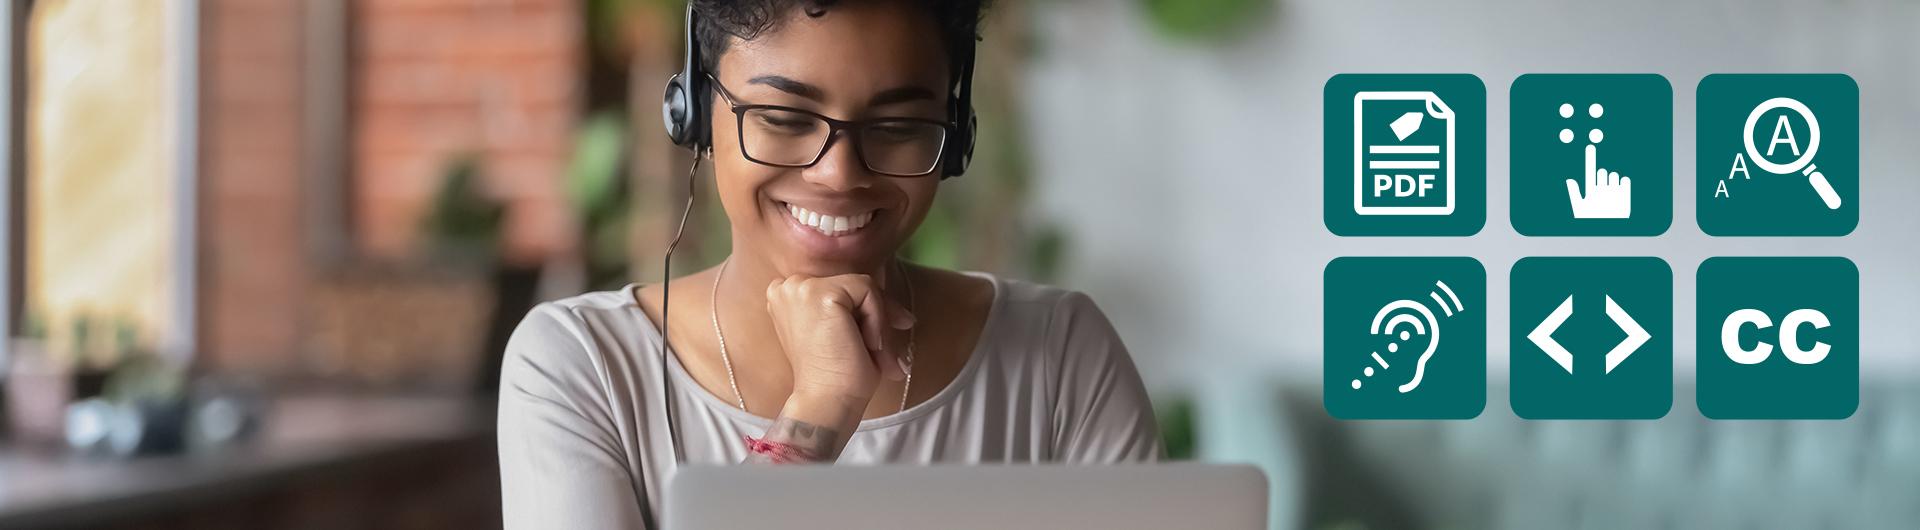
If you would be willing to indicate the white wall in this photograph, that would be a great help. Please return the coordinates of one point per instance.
(1189, 175)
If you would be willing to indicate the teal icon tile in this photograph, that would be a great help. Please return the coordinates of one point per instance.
(1592, 338)
(1591, 154)
(1405, 338)
(1405, 154)
(1778, 338)
(1778, 154)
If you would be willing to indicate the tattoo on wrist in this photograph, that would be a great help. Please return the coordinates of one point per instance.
(793, 442)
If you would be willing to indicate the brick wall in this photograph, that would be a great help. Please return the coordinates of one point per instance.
(252, 264)
(437, 78)
(426, 80)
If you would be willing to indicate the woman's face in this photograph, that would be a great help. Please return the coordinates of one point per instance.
(860, 60)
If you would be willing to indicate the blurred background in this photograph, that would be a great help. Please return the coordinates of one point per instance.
(261, 256)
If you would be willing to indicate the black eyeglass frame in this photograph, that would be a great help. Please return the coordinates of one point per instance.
(834, 126)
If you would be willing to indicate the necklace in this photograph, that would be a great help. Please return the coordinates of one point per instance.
(713, 312)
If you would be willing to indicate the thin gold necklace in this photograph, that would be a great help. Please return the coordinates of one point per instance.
(713, 312)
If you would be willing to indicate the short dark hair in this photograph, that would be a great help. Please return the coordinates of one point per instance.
(720, 20)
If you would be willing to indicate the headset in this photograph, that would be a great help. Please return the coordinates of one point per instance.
(685, 112)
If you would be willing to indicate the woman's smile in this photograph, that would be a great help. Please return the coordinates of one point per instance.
(828, 224)
(836, 232)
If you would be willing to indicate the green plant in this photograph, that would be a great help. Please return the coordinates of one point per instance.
(1202, 20)
(597, 193)
(461, 222)
(1177, 428)
(144, 377)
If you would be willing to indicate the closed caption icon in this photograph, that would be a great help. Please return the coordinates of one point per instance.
(1789, 338)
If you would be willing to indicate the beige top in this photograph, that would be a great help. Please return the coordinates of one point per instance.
(583, 431)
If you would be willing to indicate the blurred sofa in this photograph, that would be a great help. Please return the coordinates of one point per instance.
(1498, 471)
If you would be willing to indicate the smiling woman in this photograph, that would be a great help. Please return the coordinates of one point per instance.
(825, 123)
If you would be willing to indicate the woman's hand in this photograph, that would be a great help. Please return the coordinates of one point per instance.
(836, 334)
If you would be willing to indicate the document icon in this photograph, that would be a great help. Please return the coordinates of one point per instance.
(1403, 145)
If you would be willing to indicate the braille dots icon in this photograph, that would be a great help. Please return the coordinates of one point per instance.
(1594, 135)
(1565, 182)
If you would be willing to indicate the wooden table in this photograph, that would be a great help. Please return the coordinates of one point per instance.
(317, 462)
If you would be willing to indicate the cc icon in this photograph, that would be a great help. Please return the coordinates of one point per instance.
(1789, 336)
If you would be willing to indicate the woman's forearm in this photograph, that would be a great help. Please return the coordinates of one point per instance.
(810, 429)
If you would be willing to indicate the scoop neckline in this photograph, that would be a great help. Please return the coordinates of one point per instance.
(683, 378)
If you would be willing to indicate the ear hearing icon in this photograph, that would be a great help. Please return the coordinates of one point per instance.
(1400, 321)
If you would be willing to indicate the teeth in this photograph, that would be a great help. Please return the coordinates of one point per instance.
(829, 224)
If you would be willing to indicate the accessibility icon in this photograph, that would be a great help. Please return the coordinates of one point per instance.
(1778, 338)
(1592, 154)
(1779, 154)
(1783, 135)
(1542, 335)
(1405, 155)
(1592, 338)
(1393, 175)
(1397, 321)
(1386, 355)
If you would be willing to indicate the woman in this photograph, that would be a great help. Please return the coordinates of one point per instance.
(812, 342)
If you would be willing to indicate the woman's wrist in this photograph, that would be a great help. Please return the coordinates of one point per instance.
(810, 429)
(825, 407)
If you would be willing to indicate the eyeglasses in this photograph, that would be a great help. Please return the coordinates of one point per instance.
(789, 137)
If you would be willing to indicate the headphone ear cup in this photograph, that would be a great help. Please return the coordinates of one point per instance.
(674, 111)
(680, 109)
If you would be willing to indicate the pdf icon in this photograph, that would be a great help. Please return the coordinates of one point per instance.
(1403, 145)
(1405, 155)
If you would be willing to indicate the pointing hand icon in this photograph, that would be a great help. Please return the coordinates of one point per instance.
(1608, 194)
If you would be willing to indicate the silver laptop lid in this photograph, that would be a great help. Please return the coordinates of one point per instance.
(1180, 496)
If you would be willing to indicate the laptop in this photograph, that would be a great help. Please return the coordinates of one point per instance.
(1161, 496)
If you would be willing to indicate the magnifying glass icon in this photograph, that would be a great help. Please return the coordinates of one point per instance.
(1803, 165)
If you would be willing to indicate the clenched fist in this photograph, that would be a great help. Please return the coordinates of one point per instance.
(837, 333)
